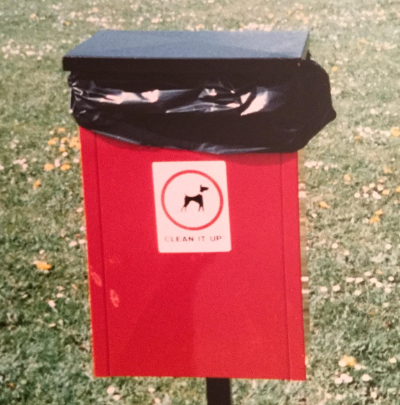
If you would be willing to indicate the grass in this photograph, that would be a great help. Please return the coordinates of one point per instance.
(45, 352)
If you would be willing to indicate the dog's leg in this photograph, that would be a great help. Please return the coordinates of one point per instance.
(185, 203)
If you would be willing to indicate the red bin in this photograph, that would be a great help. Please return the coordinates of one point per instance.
(193, 244)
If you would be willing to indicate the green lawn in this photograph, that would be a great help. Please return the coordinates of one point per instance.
(352, 166)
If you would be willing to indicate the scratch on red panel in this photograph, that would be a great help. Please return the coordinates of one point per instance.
(96, 278)
(114, 298)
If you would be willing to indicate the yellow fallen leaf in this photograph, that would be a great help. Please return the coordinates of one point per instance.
(374, 219)
(32, 16)
(334, 69)
(386, 192)
(357, 137)
(67, 23)
(37, 184)
(395, 132)
(43, 265)
(52, 141)
(324, 205)
(398, 189)
(62, 149)
(347, 361)
(387, 170)
(48, 166)
(61, 130)
(378, 213)
(65, 167)
(347, 179)
(95, 10)
(74, 142)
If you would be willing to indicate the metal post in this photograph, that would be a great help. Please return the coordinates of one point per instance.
(219, 391)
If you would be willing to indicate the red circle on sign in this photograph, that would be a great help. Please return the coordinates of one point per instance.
(221, 200)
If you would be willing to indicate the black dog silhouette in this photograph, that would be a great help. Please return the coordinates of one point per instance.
(197, 198)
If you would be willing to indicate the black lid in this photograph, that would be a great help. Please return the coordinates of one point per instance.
(186, 51)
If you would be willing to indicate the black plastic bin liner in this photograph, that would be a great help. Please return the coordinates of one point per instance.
(277, 111)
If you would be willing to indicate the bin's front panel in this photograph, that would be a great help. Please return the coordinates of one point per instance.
(232, 313)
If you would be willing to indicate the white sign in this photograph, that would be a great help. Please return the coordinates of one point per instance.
(192, 211)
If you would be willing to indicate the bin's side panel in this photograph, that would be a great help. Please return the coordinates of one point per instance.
(95, 253)
(292, 263)
(303, 247)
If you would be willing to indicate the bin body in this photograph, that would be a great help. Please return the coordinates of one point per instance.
(235, 312)
(192, 214)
